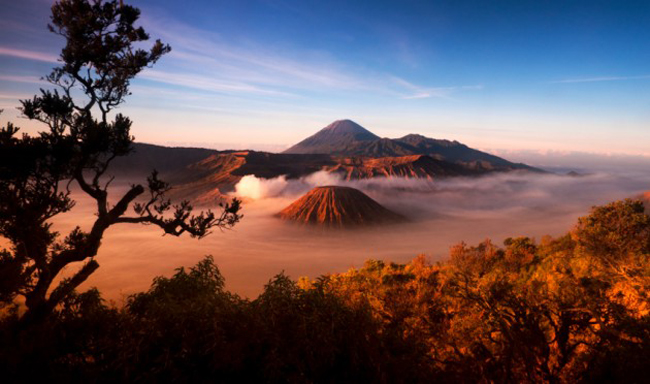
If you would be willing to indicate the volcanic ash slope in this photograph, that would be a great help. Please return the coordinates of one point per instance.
(338, 207)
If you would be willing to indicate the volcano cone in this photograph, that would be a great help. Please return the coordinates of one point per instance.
(338, 207)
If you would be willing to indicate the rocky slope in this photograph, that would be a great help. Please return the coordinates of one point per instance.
(209, 179)
(338, 207)
(412, 167)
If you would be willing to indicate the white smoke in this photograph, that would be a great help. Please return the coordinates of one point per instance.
(257, 188)
(322, 178)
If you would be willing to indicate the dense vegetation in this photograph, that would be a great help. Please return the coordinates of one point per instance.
(569, 309)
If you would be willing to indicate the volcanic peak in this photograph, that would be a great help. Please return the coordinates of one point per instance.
(338, 207)
(349, 127)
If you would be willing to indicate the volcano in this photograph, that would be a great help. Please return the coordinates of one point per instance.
(340, 136)
(338, 207)
(345, 138)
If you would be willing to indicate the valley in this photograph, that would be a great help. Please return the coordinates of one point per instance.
(343, 148)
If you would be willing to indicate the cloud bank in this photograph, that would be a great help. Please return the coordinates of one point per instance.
(442, 213)
(497, 196)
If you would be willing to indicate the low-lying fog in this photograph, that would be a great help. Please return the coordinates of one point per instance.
(443, 213)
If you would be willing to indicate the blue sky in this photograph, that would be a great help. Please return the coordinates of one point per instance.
(499, 75)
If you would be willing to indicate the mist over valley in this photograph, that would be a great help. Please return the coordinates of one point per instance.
(442, 210)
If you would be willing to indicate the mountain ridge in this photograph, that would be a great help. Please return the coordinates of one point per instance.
(205, 176)
(342, 142)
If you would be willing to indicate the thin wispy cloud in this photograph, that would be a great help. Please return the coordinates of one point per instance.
(22, 79)
(418, 92)
(245, 61)
(207, 83)
(258, 69)
(14, 96)
(214, 62)
(602, 78)
(417, 96)
(30, 55)
(13, 25)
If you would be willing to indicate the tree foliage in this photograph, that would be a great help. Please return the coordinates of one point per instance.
(563, 310)
(81, 138)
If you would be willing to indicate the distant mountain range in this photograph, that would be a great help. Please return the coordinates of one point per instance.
(343, 147)
(347, 138)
